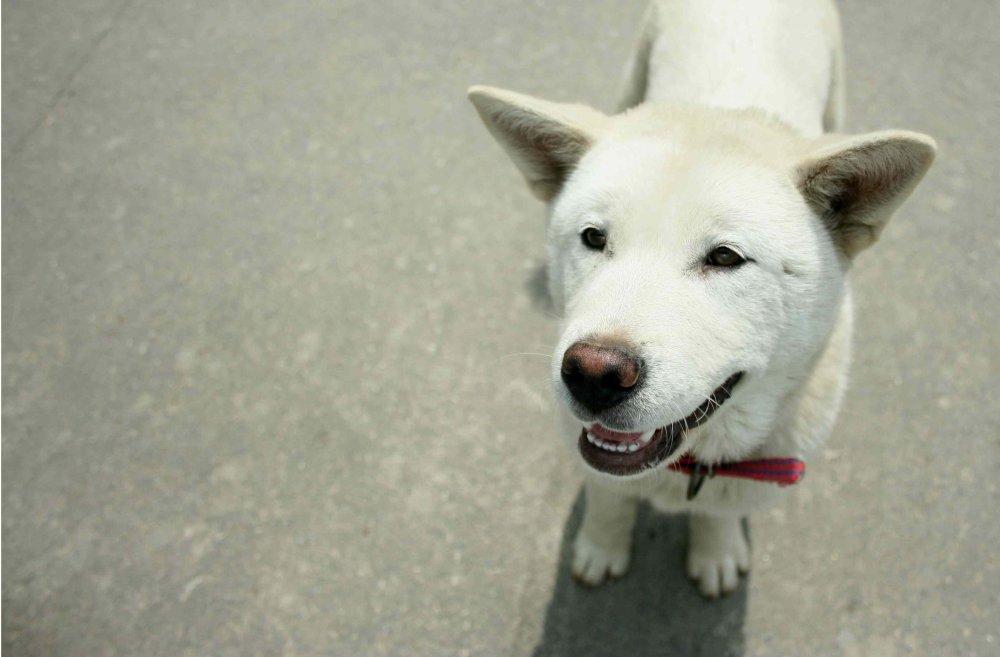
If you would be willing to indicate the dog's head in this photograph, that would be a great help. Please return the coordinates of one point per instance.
(698, 258)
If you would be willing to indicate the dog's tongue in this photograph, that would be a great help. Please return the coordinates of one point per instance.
(613, 436)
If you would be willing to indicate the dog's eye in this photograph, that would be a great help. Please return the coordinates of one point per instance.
(594, 238)
(723, 256)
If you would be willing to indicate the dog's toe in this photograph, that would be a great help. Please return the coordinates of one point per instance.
(715, 576)
(717, 555)
(592, 564)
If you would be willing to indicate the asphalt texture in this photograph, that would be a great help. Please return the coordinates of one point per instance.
(275, 372)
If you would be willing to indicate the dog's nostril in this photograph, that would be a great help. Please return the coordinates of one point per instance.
(611, 380)
(600, 376)
(629, 374)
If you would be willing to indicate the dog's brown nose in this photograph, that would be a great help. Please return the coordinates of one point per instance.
(600, 376)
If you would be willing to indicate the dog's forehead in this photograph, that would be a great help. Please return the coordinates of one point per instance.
(645, 180)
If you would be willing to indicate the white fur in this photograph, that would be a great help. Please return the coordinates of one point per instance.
(780, 56)
(721, 144)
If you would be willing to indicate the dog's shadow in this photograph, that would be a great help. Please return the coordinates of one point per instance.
(653, 610)
(537, 287)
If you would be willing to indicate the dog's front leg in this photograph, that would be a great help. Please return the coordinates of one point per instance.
(603, 546)
(717, 554)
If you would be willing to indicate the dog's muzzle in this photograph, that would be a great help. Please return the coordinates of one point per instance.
(623, 453)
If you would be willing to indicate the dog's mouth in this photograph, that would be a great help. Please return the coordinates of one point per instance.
(622, 454)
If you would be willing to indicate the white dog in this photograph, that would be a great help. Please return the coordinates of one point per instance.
(699, 245)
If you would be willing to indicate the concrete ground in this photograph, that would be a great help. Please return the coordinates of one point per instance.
(269, 383)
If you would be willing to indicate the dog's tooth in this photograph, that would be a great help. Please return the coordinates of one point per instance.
(647, 436)
(633, 447)
(590, 437)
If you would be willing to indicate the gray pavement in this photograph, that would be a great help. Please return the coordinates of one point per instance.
(268, 383)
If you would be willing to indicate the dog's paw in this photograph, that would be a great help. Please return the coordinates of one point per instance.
(718, 554)
(592, 564)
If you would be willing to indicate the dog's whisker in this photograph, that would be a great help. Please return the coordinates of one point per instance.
(521, 353)
(542, 347)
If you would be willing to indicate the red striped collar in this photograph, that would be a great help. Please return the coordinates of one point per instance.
(781, 471)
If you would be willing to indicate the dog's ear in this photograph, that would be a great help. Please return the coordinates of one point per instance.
(856, 183)
(544, 139)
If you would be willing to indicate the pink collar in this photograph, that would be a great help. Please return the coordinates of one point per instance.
(781, 471)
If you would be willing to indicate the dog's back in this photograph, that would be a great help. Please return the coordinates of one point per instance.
(777, 55)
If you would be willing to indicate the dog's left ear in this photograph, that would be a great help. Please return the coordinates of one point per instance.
(544, 139)
(858, 182)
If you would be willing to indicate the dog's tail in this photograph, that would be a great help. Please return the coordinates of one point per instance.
(836, 102)
(637, 69)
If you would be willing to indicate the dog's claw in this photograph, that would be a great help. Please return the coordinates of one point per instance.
(593, 565)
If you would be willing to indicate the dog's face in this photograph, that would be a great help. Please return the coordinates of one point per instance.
(698, 258)
(703, 268)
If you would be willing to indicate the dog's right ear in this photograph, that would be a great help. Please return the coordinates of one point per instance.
(857, 182)
(544, 139)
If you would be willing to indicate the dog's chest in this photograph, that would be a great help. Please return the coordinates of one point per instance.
(717, 495)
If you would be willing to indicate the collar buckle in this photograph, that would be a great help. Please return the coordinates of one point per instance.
(699, 473)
